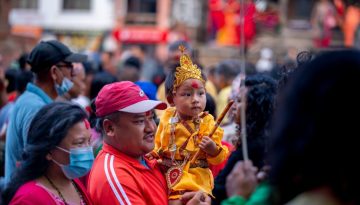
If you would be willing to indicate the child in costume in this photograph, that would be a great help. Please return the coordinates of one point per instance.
(184, 129)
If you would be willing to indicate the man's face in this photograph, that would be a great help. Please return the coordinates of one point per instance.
(133, 134)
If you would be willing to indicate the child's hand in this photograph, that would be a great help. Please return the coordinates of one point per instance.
(208, 146)
(149, 156)
(152, 155)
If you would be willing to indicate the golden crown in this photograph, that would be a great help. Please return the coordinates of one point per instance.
(187, 70)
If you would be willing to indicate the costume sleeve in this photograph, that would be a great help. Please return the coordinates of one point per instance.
(223, 151)
(158, 134)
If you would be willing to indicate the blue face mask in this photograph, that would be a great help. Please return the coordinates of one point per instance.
(65, 86)
(81, 160)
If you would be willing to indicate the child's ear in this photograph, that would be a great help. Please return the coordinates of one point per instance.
(169, 98)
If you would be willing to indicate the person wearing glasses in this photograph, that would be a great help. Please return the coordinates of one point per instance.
(51, 62)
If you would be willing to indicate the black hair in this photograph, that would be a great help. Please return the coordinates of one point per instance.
(23, 79)
(228, 68)
(286, 71)
(99, 81)
(88, 67)
(210, 105)
(314, 140)
(22, 61)
(48, 128)
(260, 102)
(170, 79)
(11, 75)
(133, 61)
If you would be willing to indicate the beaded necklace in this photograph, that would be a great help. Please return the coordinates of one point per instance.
(60, 194)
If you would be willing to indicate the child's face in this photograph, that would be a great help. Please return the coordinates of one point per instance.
(190, 98)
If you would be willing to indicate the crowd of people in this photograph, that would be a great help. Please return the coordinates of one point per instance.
(78, 135)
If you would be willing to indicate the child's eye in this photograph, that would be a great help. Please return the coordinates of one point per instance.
(187, 94)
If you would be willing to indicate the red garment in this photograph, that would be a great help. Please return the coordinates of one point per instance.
(12, 96)
(117, 177)
(216, 169)
(249, 24)
(33, 193)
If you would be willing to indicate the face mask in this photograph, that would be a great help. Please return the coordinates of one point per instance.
(81, 160)
(65, 86)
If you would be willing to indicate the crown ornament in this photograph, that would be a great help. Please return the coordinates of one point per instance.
(187, 70)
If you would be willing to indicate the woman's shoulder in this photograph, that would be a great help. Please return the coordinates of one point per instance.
(31, 193)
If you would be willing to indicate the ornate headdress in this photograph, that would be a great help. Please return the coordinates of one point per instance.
(187, 70)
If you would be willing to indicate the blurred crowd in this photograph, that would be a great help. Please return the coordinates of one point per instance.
(76, 128)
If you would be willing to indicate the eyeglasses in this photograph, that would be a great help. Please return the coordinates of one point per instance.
(68, 66)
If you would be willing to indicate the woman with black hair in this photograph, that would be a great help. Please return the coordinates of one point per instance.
(260, 100)
(56, 154)
(314, 139)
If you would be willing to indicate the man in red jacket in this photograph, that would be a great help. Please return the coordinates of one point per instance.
(121, 174)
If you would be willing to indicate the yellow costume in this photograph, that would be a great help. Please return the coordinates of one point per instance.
(195, 176)
(176, 142)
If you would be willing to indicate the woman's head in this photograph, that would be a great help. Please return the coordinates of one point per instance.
(314, 133)
(260, 92)
(56, 125)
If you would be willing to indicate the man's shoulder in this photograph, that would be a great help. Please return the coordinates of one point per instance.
(28, 102)
(29, 99)
(108, 167)
(107, 162)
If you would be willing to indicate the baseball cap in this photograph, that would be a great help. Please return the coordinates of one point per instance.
(124, 96)
(48, 53)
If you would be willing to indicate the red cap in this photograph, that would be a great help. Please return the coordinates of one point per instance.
(124, 96)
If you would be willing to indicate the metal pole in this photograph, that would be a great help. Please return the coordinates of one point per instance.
(242, 68)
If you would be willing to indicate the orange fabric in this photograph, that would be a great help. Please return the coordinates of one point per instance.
(352, 19)
(117, 177)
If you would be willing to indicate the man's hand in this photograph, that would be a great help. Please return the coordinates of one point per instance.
(195, 198)
(208, 146)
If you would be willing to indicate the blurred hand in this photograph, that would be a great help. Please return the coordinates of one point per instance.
(242, 180)
(78, 88)
(208, 146)
(195, 198)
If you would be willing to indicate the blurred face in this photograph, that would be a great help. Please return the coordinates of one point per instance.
(78, 80)
(219, 81)
(77, 136)
(65, 70)
(190, 99)
(239, 102)
(132, 134)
